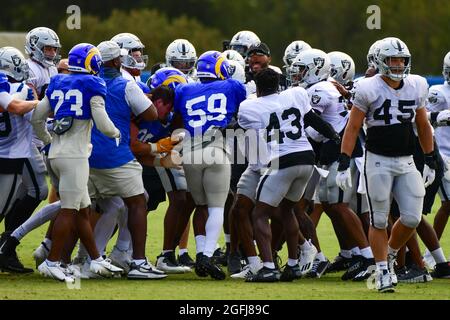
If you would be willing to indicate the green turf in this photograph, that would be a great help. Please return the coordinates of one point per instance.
(189, 286)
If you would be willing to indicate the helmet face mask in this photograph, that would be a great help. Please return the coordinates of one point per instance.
(36, 42)
(13, 64)
(181, 55)
(393, 59)
(131, 43)
(243, 40)
(309, 67)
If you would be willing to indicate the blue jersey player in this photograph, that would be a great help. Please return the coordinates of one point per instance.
(204, 107)
(75, 100)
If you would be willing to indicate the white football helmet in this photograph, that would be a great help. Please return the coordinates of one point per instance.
(342, 67)
(392, 48)
(292, 50)
(309, 67)
(131, 43)
(37, 39)
(181, 55)
(233, 55)
(371, 54)
(13, 64)
(446, 68)
(242, 40)
(237, 71)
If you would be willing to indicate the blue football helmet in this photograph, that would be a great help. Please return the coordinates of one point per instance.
(212, 64)
(85, 58)
(168, 76)
(143, 87)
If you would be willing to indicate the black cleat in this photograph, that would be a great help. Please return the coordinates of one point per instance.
(220, 257)
(441, 270)
(186, 260)
(234, 263)
(290, 273)
(339, 264)
(367, 268)
(355, 268)
(318, 269)
(265, 275)
(207, 265)
(198, 270)
(414, 275)
(9, 261)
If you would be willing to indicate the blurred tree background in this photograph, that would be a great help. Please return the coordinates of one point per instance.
(325, 24)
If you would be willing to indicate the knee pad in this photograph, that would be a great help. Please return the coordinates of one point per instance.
(379, 220)
(410, 220)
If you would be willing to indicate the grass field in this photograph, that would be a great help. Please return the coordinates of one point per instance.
(189, 286)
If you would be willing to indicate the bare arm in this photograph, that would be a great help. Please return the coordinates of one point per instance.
(101, 119)
(424, 131)
(140, 149)
(352, 130)
(39, 120)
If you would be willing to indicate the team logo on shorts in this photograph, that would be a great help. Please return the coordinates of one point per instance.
(315, 99)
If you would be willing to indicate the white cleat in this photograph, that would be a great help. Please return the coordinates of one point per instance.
(384, 282)
(104, 268)
(121, 259)
(248, 271)
(86, 273)
(306, 260)
(168, 264)
(40, 254)
(55, 272)
(145, 271)
(392, 261)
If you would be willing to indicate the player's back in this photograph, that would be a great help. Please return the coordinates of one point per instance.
(208, 104)
(70, 97)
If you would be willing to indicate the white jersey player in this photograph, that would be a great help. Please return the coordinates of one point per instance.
(390, 102)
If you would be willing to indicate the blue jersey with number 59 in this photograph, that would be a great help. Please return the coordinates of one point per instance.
(209, 104)
(70, 94)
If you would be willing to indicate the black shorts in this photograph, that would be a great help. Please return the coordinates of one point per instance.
(154, 188)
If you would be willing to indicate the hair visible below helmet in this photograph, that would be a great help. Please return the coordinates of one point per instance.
(13, 64)
(181, 55)
(392, 48)
(37, 39)
(85, 58)
(292, 50)
(342, 67)
(167, 76)
(237, 71)
(371, 54)
(233, 55)
(213, 65)
(243, 40)
(446, 68)
(309, 67)
(131, 43)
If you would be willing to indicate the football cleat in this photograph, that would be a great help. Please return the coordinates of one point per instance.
(265, 275)
(234, 263)
(306, 259)
(339, 264)
(290, 273)
(441, 270)
(40, 254)
(121, 259)
(104, 268)
(55, 272)
(186, 260)
(392, 261)
(145, 271)
(383, 282)
(166, 262)
(207, 265)
(318, 269)
(248, 271)
(414, 275)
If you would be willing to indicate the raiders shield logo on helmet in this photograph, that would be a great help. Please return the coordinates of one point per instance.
(319, 62)
(33, 40)
(16, 60)
(346, 65)
(315, 99)
(432, 98)
(231, 70)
